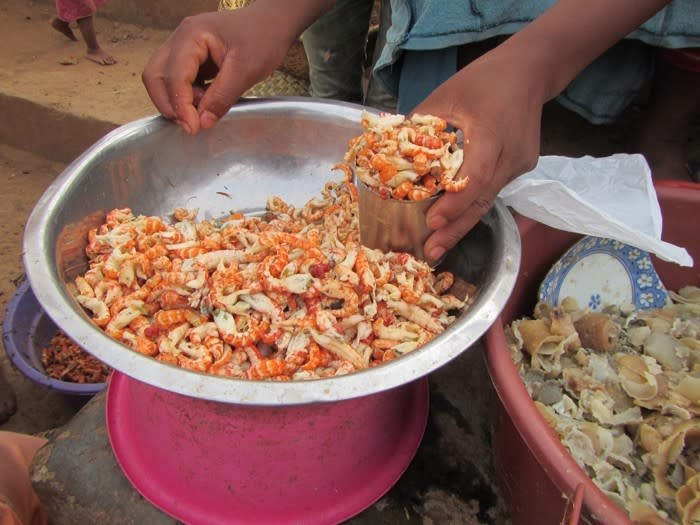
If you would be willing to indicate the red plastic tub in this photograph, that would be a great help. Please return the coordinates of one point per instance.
(538, 477)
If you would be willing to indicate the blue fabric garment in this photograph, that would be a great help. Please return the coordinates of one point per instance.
(419, 52)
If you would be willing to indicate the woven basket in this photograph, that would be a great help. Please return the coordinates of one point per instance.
(292, 76)
(233, 4)
(279, 84)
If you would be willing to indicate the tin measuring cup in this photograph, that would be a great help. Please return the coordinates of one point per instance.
(391, 224)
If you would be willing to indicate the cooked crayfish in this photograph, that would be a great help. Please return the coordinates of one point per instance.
(406, 158)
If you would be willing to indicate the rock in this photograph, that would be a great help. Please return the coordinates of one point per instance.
(78, 479)
(69, 61)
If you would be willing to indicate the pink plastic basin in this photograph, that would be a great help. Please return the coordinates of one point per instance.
(206, 462)
(538, 477)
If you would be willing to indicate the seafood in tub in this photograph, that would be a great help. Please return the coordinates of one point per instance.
(621, 388)
(291, 295)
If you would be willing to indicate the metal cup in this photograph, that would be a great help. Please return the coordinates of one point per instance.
(393, 225)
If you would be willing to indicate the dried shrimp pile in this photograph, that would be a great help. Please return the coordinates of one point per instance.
(291, 295)
(64, 360)
(406, 159)
(622, 390)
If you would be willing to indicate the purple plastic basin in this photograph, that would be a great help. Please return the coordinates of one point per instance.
(26, 330)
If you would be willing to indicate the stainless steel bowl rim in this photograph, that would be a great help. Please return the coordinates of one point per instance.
(56, 301)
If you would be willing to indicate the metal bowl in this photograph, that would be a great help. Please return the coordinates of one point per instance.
(285, 147)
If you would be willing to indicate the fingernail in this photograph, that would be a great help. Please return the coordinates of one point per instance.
(436, 252)
(184, 125)
(207, 119)
(436, 222)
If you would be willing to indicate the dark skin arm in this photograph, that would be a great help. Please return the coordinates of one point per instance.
(497, 101)
(234, 49)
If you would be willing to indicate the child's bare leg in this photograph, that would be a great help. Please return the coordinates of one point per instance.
(63, 28)
(94, 51)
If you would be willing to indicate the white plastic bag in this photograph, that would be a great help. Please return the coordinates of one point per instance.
(611, 197)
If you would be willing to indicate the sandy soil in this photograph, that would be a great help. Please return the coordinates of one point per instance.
(42, 65)
(23, 178)
(43, 73)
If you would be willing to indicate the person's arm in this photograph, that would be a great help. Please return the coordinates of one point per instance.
(232, 49)
(497, 101)
(573, 33)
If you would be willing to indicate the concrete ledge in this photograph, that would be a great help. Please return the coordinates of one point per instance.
(54, 101)
(69, 134)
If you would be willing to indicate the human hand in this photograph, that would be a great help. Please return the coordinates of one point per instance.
(232, 49)
(497, 103)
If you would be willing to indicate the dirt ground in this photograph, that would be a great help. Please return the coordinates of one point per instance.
(23, 177)
(41, 65)
(55, 103)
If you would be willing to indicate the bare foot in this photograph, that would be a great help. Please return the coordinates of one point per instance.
(8, 402)
(63, 27)
(99, 56)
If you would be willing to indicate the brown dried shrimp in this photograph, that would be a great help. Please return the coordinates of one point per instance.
(622, 390)
(64, 360)
(405, 159)
(292, 295)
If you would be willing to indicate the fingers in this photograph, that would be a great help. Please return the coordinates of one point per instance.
(445, 238)
(172, 72)
(226, 48)
(454, 214)
(227, 87)
(168, 79)
(182, 64)
(154, 81)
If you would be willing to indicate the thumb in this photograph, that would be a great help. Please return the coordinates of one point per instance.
(454, 214)
(232, 80)
(481, 157)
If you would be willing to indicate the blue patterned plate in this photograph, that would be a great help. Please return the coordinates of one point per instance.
(597, 271)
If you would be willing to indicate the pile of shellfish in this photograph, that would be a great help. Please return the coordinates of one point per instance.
(621, 388)
(403, 158)
(288, 296)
